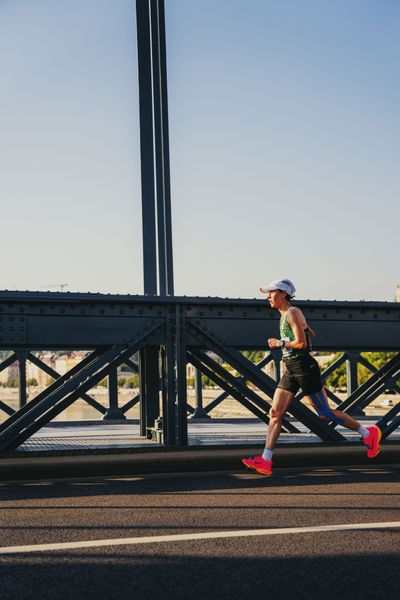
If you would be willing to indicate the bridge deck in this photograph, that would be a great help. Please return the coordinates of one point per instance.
(224, 432)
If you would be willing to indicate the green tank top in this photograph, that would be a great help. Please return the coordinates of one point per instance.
(287, 334)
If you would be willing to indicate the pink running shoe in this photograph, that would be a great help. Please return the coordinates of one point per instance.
(372, 441)
(257, 463)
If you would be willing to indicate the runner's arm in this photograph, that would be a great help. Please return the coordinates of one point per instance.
(311, 331)
(296, 322)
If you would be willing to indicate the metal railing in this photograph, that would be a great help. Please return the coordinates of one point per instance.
(167, 334)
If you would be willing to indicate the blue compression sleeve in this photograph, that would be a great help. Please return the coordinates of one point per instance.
(322, 407)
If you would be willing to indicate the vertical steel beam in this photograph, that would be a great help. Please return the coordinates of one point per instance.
(164, 391)
(149, 388)
(158, 146)
(142, 392)
(161, 143)
(169, 409)
(199, 412)
(155, 173)
(113, 413)
(180, 343)
(22, 356)
(154, 148)
(146, 146)
(153, 386)
(351, 372)
(166, 158)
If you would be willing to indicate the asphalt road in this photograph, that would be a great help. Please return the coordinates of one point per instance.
(349, 563)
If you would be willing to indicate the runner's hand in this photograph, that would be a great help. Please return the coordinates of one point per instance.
(273, 343)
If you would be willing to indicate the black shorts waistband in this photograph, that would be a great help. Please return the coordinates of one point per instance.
(296, 358)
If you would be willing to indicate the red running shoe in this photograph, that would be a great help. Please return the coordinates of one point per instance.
(372, 441)
(257, 463)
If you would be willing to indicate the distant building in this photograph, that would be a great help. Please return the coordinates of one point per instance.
(34, 372)
(11, 373)
(66, 362)
(398, 293)
(60, 363)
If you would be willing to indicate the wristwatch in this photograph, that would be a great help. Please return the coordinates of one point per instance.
(281, 343)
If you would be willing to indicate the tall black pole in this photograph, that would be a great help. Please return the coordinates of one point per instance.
(164, 146)
(154, 148)
(158, 146)
(167, 172)
(146, 146)
(161, 148)
(156, 214)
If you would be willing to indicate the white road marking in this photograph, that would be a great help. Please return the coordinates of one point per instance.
(193, 536)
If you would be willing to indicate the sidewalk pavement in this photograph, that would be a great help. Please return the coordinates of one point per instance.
(140, 461)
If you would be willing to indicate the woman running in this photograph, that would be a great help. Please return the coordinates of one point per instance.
(301, 371)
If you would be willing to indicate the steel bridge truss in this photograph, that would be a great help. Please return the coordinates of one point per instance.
(158, 337)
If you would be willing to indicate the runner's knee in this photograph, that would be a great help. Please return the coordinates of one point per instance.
(275, 414)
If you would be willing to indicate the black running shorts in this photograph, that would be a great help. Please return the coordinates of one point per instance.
(302, 372)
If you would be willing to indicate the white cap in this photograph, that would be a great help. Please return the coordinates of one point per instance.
(285, 285)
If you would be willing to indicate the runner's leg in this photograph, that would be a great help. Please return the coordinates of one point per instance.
(280, 403)
(321, 405)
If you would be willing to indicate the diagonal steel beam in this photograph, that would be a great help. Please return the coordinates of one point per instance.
(363, 361)
(230, 389)
(211, 405)
(8, 361)
(85, 378)
(5, 408)
(26, 421)
(390, 421)
(335, 365)
(263, 382)
(395, 389)
(47, 369)
(130, 404)
(50, 390)
(216, 402)
(244, 390)
(130, 363)
(373, 387)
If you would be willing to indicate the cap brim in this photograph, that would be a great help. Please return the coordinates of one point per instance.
(265, 290)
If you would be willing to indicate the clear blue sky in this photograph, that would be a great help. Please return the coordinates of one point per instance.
(284, 125)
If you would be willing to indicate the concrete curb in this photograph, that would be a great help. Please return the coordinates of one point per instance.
(194, 459)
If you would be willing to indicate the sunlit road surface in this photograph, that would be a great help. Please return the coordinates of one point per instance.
(303, 533)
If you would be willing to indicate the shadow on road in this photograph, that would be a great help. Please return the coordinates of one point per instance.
(284, 481)
(198, 576)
